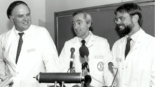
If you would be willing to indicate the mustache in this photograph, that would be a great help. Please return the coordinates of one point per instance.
(120, 25)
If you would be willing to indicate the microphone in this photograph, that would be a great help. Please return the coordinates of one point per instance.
(85, 65)
(71, 60)
(87, 80)
(83, 51)
(72, 51)
(111, 67)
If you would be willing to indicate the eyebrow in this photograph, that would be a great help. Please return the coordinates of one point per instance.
(24, 14)
(77, 21)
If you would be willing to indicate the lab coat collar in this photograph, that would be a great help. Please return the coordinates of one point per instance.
(87, 38)
(137, 39)
(140, 39)
(26, 32)
(89, 42)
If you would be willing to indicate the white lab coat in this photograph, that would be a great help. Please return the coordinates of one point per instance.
(99, 56)
(138, 69)
(38, 54)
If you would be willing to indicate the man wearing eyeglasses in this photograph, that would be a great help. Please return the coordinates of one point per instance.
(134, 54)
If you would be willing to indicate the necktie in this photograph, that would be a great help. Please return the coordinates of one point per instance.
(127, 46)
(19, 46)
(83, 42)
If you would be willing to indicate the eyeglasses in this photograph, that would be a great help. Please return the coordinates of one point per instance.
(121, 18)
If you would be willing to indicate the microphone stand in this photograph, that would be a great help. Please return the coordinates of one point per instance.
(114, 78)
(84, 66)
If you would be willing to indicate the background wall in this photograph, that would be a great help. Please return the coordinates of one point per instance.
(63, 5)
(43, 11)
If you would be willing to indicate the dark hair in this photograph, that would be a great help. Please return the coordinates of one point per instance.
(13, 5)
(87, 17)
(132, 9)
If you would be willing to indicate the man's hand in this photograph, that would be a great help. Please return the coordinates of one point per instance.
(6, 81)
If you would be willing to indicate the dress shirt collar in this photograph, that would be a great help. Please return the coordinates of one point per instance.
(87, 38)
(135, 36)
(26, 32)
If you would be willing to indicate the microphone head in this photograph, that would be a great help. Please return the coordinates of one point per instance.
(110, 64)
(83, 51)
(87, 79)
(72, 49)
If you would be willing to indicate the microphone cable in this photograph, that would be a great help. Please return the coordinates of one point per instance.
(98, 80)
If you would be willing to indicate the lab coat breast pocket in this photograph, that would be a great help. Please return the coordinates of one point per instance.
(33, 55)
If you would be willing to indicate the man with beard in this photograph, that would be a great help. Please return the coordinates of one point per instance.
(134, 54)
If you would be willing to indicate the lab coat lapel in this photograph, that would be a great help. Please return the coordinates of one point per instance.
(139, 41)
(91, 41)
(12, 37)
(134, 50)
(120, 57)
(121, 49)
(28, 40)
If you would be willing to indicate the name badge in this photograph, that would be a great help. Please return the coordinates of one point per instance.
(31, 50)
(118, 59)
(99, 56)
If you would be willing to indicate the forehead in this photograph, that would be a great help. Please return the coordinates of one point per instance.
(20, 9)
(119, 14)
(79, 17)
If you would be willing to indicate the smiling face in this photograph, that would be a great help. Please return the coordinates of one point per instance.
(81, 26)
(21, 17)
(124, 22)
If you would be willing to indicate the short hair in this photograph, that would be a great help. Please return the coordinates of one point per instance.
(87, 17)
(132, 9)
(12, 6)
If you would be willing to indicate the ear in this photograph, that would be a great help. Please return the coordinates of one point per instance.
(11, 18)
(89, 23)
(135, 18)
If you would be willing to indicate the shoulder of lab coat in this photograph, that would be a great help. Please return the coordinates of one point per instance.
(152, 46)
(2, 61)
(103, 44)
(49, 51)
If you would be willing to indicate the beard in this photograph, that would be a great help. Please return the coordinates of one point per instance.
(127, 29)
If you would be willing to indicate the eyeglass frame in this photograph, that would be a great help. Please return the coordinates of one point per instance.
(121, 18)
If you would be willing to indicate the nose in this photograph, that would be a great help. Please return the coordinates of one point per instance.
(25, 18)
(75, 26)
